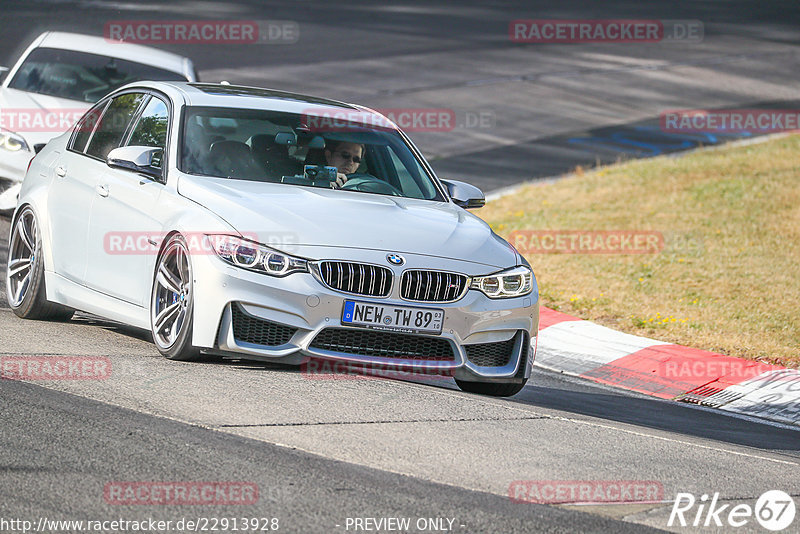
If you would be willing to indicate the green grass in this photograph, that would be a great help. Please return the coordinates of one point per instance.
(728, 278)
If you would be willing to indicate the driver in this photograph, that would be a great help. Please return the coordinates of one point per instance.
(346, 157)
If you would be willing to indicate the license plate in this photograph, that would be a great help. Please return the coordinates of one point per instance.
(396, 318)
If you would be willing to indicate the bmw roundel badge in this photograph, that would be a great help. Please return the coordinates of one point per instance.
(395, 259)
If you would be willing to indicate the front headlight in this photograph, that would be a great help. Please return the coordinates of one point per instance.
(514, 282)
(12, 142)
(256, 257)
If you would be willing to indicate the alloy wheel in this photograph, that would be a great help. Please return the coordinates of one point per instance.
(22, 257)
(172, 295)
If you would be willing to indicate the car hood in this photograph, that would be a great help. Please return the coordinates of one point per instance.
(310, 218)
(38, 118)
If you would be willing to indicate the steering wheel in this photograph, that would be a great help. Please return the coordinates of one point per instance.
(369, 184)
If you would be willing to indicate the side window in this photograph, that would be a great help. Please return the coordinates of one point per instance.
(113, 124)
(407, 183)
(151, 129)
(86, 126)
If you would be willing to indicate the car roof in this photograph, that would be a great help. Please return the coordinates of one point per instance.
(244, 97)
(118, 49)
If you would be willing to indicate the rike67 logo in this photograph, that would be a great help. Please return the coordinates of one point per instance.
(774, 510)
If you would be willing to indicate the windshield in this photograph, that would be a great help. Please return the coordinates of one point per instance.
(301, 150)
(81, 76)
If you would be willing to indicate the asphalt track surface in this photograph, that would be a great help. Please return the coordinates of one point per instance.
(521, 111)
(325, 450)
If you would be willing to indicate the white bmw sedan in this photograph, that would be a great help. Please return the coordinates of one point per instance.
(58, 77)
(271, 226)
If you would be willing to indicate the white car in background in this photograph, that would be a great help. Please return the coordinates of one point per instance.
(58, 78)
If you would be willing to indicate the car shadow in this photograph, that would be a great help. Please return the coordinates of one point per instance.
(587, 399)
(544, 390)
(88, 319)
(582, 397)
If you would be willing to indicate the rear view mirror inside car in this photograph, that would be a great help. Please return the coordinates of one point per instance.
(286, 138)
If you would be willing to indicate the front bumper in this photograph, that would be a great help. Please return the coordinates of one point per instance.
(9, 195)
(307, 307)
(14, 164)
(12, 172)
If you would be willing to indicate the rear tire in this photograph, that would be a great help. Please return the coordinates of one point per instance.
(172, 302)
(491, 388)
(25, 286)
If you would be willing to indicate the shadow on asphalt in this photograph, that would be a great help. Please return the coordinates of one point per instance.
(585, 398)
(544, 390)
(88, 319)
(590, 400)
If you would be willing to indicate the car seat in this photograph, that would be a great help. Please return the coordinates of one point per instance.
(274, 159)
(233, 159)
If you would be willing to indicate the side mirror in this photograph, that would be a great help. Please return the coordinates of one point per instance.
(3, 71)
(465, 195)
(143, 159)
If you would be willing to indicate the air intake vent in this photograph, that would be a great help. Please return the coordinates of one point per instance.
(496, 354)
(258, 331)
(383, 344)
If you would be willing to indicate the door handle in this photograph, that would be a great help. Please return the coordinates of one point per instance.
(61, 171)
(102, 190)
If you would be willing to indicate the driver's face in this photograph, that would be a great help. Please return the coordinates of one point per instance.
(346, 157)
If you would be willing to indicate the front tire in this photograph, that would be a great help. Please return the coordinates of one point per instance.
(25, 286)
(172, 302)
(491, 388)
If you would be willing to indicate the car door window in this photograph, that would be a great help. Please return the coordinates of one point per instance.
(114, 124)
(151, 128)
(86, 126)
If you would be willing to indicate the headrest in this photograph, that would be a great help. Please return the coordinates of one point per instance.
(232, 158)
(230, 149)
(261, 143)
